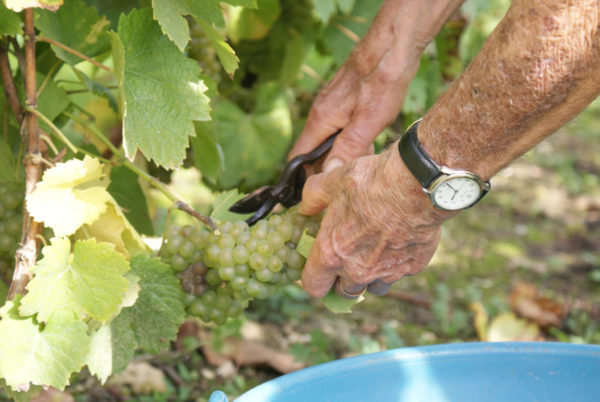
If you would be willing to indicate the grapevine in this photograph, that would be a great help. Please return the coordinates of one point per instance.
(221, 271)
(11, 200)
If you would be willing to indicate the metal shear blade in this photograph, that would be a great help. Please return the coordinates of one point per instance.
(287, 191)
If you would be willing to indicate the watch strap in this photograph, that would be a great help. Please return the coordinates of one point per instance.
(420, 164)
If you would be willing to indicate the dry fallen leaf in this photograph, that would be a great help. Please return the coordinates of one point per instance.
(507, 327)
(480, 320)
(142, 377)
(53, 395)
(251, 353)
(526, 301)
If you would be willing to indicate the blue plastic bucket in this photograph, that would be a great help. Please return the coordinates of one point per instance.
(456, 372)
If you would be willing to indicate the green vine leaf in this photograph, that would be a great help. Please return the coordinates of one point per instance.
(169, 14)
(160, 92)
(7, 163)
(225, 53)
(254, 144)
(99, 359)
(89, 282)
(31, 355)
(70, 194)
(220, 206)
(10, 22)
(153, 321)
(125, 188)
(77, 26)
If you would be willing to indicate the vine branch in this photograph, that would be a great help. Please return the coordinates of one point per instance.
(75, 52)
(10, 91)
(153, 181)
(26, 255)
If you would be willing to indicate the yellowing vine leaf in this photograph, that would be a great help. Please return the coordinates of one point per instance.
(88, 282)
(70, 194)
(20, 5)
(113, 227)
(48, 356)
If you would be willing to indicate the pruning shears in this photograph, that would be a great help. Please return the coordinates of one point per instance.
(288, 191)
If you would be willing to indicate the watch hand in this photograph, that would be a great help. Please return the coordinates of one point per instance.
(448, 184)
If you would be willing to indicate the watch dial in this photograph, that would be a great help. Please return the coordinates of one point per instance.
(456, 193)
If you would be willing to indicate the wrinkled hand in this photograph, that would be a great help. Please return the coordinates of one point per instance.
(360, 103)
(378, 227)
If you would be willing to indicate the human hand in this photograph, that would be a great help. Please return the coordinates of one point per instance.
(378, 227)
(367, 93)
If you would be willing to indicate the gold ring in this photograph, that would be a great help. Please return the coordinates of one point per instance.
(344, 293)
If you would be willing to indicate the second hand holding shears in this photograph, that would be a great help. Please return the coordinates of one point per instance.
(288, 191)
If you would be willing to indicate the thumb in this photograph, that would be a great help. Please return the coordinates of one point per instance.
(319, 190)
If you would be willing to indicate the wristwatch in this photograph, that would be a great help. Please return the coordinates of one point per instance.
(449, 189)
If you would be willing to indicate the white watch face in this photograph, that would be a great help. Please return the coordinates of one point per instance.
(456, 193)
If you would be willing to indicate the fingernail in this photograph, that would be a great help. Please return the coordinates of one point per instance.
(332, 164)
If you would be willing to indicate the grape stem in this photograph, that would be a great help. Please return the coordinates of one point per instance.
(153, 181)
(56, 130)
(26, 255)
(75, 52)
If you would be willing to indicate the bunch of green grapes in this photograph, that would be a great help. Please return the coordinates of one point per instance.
(11, 218)
(223, 270)
(201, 50)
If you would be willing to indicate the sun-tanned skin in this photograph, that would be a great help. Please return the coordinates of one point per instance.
(538, 69)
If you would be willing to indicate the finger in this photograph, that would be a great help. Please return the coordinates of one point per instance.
(378, 287)
(318, 191)
(348, 289)
(354, 141)
(316, 130)
(317, 279)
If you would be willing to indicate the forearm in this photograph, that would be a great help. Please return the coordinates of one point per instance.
(399, 34)
(539, 68)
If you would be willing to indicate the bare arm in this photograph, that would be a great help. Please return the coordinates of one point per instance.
(539, 68)
(367, 92)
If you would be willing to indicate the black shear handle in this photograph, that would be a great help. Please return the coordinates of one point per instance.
(310, 157)
(295, 177)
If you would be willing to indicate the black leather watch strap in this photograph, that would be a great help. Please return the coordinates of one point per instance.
(416, 159)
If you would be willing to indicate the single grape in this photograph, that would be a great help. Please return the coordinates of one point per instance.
(212, 277)
(173, 245)
(275, 240)
(264, 274)
(264, 248)
(200, 239)
(257, 261)
(226, 273)
(293, 274)
(242, 270)
(286, 230)
(274, 264)
(226, 241)
(186, 231)
(294, 260)
(186, 250)
(198, 308)
(239, 282)
(178, 263)
(252, 244)
(243, 238)
(212, 252)
(240, 254)
(226, 258)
